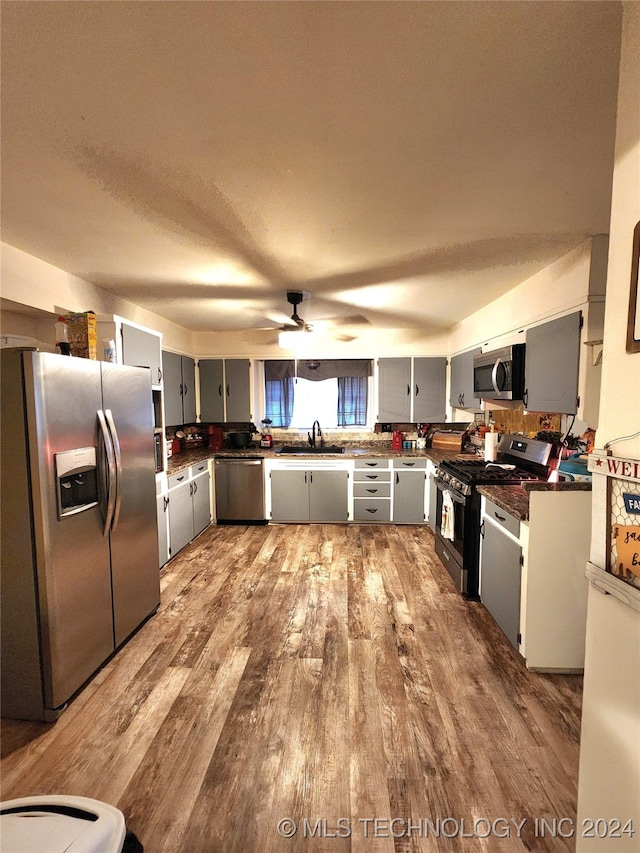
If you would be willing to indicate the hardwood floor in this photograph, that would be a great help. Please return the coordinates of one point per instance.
(323, 674)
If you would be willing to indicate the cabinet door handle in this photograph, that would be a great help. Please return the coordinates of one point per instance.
(397, 479)
(159, 376)
(499, 517)
(194, 488)
(525, 397)
(166, 503)
(185, 389)
(181, 390)
(311, 476)
(482, 530)
(408, 390)
(462, 399)
(191, 489)
(227, 390)
(417, 390)
(219, 390)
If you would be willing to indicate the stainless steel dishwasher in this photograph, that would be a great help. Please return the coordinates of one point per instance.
(239, 489)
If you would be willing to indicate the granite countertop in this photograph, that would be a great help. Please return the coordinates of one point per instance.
(374, 451)
(515, 499)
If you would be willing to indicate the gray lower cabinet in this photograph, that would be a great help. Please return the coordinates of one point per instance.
(180, 516)
(189, 506)
(409, 480)
(551, 365)
(179, 389)
(200, 494)
(309, 495)
(162, 506)
(500, 574)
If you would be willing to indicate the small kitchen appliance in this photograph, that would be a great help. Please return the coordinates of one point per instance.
(499, 374)
(266, 439)
(216, 437)
(518, 460)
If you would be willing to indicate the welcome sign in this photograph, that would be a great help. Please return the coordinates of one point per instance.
(623, 476)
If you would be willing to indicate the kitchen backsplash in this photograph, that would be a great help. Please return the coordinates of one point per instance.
(519, 421)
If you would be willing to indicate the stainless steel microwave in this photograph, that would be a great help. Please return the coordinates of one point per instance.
(499, 374)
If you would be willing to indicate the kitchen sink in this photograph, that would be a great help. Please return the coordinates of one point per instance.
(301, 450)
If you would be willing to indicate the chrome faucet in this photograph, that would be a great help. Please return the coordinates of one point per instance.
(313, 435)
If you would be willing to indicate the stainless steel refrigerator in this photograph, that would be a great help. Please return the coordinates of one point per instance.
(79, 560)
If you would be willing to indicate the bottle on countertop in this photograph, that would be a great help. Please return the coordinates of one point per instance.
(62, 337)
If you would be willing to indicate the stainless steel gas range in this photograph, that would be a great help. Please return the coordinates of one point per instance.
(519, 459)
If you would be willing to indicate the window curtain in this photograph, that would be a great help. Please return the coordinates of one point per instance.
(352, 400)
(317, 369)
(279, 401)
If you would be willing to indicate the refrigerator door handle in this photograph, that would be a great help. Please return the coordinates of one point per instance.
(118, 465)
(111, 468)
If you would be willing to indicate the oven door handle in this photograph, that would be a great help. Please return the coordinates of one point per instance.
(444, 487)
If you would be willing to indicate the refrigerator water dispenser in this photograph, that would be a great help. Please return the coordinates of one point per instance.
(76, 480)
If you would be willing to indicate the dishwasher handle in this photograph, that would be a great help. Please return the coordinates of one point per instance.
(238, 461)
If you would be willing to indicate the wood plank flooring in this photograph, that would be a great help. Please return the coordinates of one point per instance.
(324, 675)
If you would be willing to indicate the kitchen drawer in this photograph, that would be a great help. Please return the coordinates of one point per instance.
(372, 490)
(410, 464)
(502, 519)
(178, 478)
(371, 463)
(372, 476)
(200, 468)
(371, 509)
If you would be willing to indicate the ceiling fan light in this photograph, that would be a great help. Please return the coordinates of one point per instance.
(293, 338)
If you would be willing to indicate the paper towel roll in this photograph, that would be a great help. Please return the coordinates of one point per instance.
(491, 446)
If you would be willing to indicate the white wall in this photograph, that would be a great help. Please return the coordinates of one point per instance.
(27, 280)
(609, 784)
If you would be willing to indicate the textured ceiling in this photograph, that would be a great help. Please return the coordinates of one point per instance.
(402, 163)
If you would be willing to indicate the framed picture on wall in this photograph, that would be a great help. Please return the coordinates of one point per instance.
(633, 323)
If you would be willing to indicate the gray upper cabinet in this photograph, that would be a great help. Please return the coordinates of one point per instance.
(551, 365)
(461, 394)
(429, 388)
(225, 390)
(179, 388)
(142, 349)
(411, 389)
(237, 389)
(394, 390)
(211, 390)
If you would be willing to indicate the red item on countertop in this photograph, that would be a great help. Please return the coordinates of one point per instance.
(216, 437)
(396, 440)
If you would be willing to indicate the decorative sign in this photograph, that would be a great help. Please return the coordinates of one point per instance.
(623, 478)
(627, 541)
(614, 466)
(631, 503)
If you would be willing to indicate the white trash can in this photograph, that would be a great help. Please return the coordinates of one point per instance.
(59, 823)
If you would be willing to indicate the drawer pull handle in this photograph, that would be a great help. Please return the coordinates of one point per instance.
(372, 491)
(179, 479)
(372, 510)
(372, 476)
(409, 464)
(499, 517)
(371, 464)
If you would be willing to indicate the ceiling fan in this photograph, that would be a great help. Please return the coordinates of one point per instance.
(293, 333)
